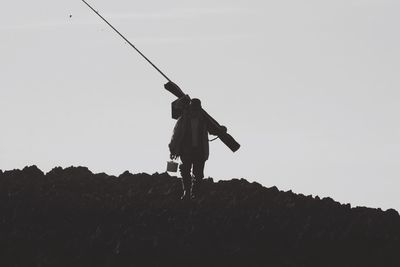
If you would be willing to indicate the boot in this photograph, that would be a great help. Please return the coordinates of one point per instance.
(186, 188)
(185, 195)
(194, 192)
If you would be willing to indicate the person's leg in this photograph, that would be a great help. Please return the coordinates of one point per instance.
(185, 168)
(198, 173)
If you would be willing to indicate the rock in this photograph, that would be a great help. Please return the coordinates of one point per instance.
(393, 213)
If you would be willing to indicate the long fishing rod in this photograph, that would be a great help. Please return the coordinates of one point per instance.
(225, 137)
(123, 37)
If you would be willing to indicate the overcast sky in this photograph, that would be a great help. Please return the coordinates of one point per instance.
(309, 88)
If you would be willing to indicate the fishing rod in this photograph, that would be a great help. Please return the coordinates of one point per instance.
(123, 37)
(226, 138)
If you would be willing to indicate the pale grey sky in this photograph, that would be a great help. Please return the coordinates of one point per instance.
(309, 88)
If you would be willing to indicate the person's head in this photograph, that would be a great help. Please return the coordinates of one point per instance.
(195, 106)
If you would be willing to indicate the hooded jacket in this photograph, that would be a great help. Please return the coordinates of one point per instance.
(180, 141)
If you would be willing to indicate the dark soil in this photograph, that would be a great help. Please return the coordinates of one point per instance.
(72, 217)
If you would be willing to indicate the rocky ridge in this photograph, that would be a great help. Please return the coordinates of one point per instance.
(72, 217)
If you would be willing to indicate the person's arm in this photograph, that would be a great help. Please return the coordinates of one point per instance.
(176, 139)
(215, 129)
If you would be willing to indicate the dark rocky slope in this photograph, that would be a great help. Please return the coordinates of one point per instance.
(72, 217)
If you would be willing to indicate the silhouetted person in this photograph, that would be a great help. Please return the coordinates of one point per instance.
(190, 142)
